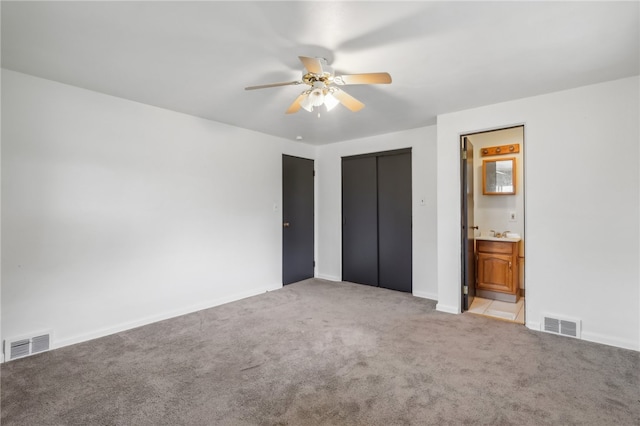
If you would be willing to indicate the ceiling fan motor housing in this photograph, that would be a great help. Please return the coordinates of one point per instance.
(310, 78)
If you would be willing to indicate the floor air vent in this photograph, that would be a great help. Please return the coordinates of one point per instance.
(563, 326)
(25, 346)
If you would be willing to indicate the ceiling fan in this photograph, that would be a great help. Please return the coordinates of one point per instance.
(322, 86)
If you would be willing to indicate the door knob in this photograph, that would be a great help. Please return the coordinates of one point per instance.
(286, 224)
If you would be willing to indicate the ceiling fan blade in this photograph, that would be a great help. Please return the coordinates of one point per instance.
(313, 65)
(370, 78)
(348, 101)
(264, 86)
(295, 106)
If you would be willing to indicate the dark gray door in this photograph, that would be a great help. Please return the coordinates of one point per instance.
(468, 227)
(376, 214)
(360, 220)
(297, 219)
(394, 221)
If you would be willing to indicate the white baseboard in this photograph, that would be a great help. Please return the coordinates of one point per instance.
(426, 295)
(610, 341)
(532, 325)
(328, 277)
(155, 318)
(448, 309)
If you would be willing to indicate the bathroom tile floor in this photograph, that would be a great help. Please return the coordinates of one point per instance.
(494, 308)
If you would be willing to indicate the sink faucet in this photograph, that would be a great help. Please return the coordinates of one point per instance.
(504, 234)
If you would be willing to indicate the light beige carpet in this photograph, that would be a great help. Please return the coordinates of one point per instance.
(322, 353)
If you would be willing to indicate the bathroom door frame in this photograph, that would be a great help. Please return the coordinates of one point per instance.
(467, 241)
(463, 188)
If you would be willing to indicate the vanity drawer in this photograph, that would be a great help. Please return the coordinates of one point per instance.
(504, 247)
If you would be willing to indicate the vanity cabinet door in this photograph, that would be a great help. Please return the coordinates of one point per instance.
(495, 272)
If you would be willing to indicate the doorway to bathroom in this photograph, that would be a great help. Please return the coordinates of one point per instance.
(492, 225)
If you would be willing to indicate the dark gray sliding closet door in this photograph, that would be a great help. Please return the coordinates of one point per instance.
(376, 214)
(394, 222)
(359, 221)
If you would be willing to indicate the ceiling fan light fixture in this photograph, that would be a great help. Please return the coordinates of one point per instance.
(330, 101)
(317, 97)
(307, 101)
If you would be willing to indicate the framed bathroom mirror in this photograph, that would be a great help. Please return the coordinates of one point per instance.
(499, 176)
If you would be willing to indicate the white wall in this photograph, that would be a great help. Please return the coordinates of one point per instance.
(116, 214)
(582, 205)
(329, 178)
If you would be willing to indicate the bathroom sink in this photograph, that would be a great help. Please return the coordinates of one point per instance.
(511, 239)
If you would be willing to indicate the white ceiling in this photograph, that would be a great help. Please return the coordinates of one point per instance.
(197, 57)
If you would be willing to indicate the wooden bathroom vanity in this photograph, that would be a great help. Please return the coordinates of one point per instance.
(497, 275)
